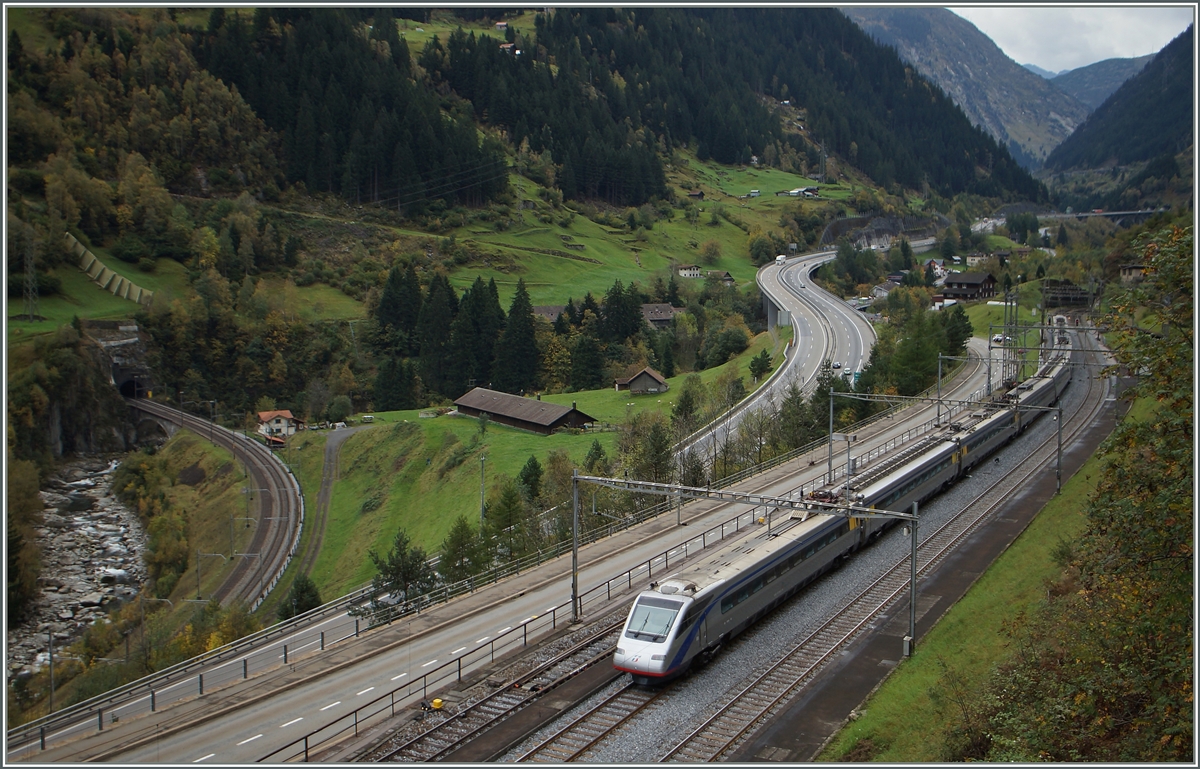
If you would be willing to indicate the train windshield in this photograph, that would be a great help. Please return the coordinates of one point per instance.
(652, 618)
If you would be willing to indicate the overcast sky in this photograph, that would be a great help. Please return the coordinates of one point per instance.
(1062, 38)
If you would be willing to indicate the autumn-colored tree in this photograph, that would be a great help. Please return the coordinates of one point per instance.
(1105, 671)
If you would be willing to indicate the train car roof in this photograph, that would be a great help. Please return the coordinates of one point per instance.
(730, 559)
(935, 454)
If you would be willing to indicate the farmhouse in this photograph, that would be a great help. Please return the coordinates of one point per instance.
(645, 381)
(530, 414)
(689, 271)
(1132, 273)
(548, 311)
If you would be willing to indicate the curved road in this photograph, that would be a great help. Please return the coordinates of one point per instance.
(824, 328)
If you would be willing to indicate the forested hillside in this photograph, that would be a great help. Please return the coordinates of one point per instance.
(1119, 131)
(1094, 83)
(602, 91)
(198, 136)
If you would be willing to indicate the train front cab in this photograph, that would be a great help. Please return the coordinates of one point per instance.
(644, 649)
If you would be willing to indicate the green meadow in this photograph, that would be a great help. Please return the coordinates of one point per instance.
(419, 473)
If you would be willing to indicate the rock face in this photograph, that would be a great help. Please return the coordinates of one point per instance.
(1024, 112)
(92, 561)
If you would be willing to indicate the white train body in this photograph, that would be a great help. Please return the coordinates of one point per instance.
(692, 613)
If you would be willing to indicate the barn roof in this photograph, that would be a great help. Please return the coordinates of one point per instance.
(648, 371)
(514, 406)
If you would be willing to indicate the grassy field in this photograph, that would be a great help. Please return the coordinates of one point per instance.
(609, 405)
(79, 297)
(905, 720)
(609, 254)
(405, 472)
(420, 474)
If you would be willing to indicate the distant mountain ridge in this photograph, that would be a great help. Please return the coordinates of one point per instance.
(1044, 73)
(1025, 112)
(1096, 82)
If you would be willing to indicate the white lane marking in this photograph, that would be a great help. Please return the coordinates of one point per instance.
(293, 721)
(204, 758)
(456, 651)
(364, 691)
(552, 608)
(431, 662)
(530, 619)
(481, 640)
(251, 739)
(327, 707)
(505, 630)
(402, 675)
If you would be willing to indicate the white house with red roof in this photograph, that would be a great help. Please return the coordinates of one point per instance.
(278, 424)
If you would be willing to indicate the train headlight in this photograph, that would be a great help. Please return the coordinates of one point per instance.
(658, 657)
(620, 652)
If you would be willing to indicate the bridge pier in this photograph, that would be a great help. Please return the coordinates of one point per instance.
(776, 316)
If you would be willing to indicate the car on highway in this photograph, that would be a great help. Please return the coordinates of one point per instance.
(837, 364)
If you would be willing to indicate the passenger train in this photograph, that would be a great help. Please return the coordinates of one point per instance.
(691, 614)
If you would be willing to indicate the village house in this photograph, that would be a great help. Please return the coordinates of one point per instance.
(278, 425)
(659, 315)
(969, 286)
(720, 275)
(645, 381)
(531, 414)
(689, 271)
(939, 267)
(1132, 273)
(883, 289)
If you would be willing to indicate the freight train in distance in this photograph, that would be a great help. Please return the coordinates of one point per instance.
(691, 614)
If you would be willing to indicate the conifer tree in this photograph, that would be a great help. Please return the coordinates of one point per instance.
(433, 333)
(461, 554)
(587, 363)
(517, 362)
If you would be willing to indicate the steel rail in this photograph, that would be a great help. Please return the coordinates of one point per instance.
(736, 719)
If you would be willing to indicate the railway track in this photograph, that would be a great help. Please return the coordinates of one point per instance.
(474, 719)
(764, 695)
(573, 740)
(278, 495)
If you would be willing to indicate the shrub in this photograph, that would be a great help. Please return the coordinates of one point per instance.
(130, 248)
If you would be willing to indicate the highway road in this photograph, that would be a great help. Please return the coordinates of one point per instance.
(825, 328)
(332, 668)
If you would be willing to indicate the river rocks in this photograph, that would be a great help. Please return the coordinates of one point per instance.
(92, 561)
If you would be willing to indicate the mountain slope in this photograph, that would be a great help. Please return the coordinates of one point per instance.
(1025, 113)
(1096, 82)
(1118, 131)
